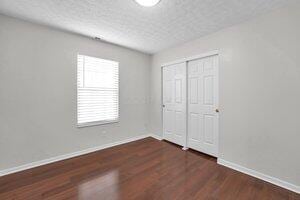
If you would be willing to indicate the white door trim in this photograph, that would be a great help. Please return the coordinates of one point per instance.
(211, 53)
(186, 60)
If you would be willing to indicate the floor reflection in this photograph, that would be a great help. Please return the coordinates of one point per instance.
(104, 186)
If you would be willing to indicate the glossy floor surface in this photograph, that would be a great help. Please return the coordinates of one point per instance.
(145, 169)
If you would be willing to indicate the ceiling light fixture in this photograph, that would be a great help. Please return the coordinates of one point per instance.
(147, 3)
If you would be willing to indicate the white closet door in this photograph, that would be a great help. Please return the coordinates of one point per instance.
(174, 103)
(203, 111)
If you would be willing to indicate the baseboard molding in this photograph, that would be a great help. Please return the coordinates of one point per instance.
(156, 136)
(71, 155)
(234, 166)
(256, 174)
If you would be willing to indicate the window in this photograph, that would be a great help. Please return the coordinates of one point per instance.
(97, 91)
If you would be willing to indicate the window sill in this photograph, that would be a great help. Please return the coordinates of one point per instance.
(82, 125)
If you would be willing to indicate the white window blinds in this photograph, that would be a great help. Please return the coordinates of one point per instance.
(97, 91)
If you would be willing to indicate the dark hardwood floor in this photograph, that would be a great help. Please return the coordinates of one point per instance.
(145, 169)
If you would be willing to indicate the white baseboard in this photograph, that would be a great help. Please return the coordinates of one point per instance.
(261, 176)
(234, 166)
(70, 155)
(156, 136)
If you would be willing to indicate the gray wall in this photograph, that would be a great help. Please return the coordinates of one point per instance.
(259, 91)
(38, 93)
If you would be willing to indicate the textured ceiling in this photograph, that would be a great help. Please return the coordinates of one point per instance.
(126, 23)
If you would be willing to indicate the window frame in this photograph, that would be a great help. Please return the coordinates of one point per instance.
(100, 122)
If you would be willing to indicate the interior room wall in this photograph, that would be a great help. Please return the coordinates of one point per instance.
(259, 91)
(38, 118)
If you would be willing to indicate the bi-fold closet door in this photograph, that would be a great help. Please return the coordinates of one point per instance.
(190, 104)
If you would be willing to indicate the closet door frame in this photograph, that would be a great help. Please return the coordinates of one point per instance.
(186, 60)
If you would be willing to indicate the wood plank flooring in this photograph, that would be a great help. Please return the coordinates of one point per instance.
(145, 169)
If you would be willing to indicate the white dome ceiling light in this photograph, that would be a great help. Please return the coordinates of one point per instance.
(147, 3)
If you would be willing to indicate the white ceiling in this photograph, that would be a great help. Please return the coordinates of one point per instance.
(124, 22)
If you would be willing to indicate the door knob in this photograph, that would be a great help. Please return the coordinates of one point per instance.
(217, 110)
(163, 106)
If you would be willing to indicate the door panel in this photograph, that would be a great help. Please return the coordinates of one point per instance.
(202, 105)
(168, 121)
(174, 103)
(193, 90)
(178, 93)
(208, 129)
(208, 90)
(194, 126)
